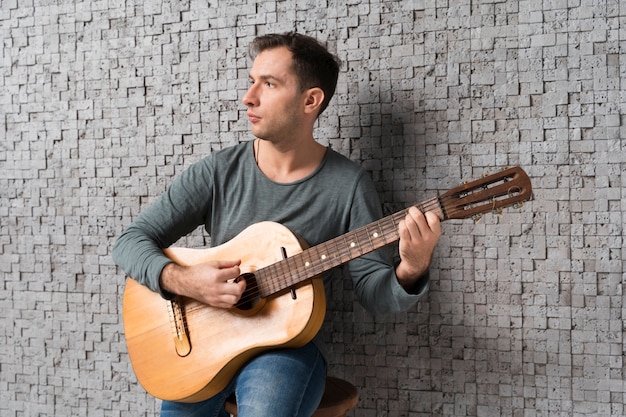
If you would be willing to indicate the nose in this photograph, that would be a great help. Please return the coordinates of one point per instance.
(250, 98)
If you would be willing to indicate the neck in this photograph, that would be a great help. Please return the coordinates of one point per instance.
(289, 163)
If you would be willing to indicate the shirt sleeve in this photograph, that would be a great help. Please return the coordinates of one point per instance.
(373, 275)
(183, 207)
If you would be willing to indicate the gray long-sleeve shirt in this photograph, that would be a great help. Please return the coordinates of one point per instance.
(226, 192)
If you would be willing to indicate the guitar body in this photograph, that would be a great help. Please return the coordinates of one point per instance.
(218, 341)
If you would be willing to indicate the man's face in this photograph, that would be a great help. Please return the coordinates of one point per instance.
(274, 100)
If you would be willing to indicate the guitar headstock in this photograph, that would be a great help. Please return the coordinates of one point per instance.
(510, 187)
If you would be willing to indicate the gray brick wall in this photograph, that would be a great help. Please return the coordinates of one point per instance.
(102, 103)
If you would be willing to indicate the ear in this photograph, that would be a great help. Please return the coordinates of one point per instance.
(313, 98)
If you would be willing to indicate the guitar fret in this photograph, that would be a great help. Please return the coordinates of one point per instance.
(325, 256)
(380, 235)
(264, 281)
(284, 269)
(389, 227)
(369, 237)
(347, 245)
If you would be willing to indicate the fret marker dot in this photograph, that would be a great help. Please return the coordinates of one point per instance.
(352, 244)
(375, 235)
(307, 264)
(323, 256)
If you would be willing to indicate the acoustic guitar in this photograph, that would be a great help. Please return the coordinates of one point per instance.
(183, 350)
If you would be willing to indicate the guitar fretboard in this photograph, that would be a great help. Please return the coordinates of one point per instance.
(335, 252)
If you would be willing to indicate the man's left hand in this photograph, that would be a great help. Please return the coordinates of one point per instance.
(419, 235)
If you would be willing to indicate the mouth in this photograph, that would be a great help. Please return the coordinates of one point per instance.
(253, 117)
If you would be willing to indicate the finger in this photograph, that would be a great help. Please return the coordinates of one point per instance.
(403, 231)
(221, 264)
(427, 222)
(235, 291)
(228, 293)
(241, 283)
(227, 271)
(415, 222)
(434, 222)
(227, 301)
(419, 217)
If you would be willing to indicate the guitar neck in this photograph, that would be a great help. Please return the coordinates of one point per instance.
(510, 187)
(335, 252)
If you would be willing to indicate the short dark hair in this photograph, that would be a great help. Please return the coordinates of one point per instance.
(313, 64)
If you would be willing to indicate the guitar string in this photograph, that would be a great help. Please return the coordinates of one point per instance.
(273, 276)
(387, 226)
(309, 267)
(324, 257)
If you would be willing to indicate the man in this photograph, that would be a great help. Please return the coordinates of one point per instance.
(284, 176)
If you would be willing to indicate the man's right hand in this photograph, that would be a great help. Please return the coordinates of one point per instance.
(212, 283)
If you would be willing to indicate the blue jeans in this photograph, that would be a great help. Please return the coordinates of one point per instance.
(278, 383)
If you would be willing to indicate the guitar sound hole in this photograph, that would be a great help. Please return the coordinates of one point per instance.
(250, 297)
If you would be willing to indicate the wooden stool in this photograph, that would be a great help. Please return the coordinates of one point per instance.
(339, 397)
